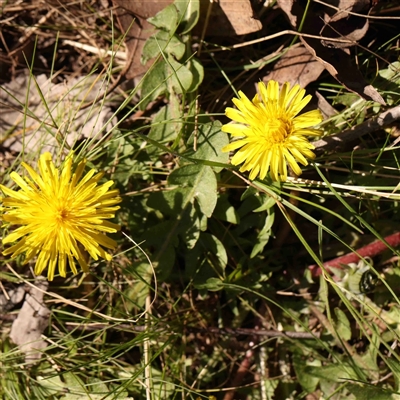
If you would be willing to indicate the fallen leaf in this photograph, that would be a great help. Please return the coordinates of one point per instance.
(296, 66)
(342, 68)
(32, 320)
(240, 15)
(338, 23)
(226, 18)
(336, 60)
(132, 19)
(325, 107)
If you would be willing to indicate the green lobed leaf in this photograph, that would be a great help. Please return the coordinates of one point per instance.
(180, 75)
(366, 392)
(171, 203)
(135, 295)
(208, 259)
(166, 19)
(268, 202)
(153, 84)
(307, 381)
(394, 367)
(202, 183)
(189, 12)
(197, 70)
(162, 42)
(225, 210)
(342, 325)
(186, 205)
(333, 372)
(213, 284)
(166, 126)
(210, 140)
(194, 226)
(265, 233)
(389, 81)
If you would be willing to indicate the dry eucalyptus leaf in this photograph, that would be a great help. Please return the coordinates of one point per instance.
(240, 16)
(296, 66)
(336, 60)
(32, 320)
(325, 107)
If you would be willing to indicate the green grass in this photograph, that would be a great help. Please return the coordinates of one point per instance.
(209, 291)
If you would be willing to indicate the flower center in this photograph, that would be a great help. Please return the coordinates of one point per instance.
(61, 215)
(276, 130)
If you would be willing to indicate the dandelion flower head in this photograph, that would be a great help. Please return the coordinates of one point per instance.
(59, 214)
(270, 132)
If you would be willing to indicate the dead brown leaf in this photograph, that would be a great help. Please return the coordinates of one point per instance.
(337, 61)
(240, 15)
(32, 320)
(226, 18)
(338, 23)
(296, 66)
(325, 107)
(132, 19)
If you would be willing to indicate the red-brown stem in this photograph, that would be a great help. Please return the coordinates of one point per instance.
(243, 369)
(370, 250)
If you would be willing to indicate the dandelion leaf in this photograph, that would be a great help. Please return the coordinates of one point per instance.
(342, 325)
(180, 75)
(367, 392)
(165, 126)
(206, 262)
(162, 42)
(201, 181)
(166, 19)
(153, 84)
(308, 381)
(197, 71)
(225, 211)
(210, 140)
(189, 12)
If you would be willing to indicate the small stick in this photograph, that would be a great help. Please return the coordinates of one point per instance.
(335, 142)
(243, 369)
(370, 250)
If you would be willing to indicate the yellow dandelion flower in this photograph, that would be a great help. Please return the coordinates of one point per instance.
(57, 211)
(270, 134)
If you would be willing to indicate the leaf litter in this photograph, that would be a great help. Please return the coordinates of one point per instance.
(300, 63)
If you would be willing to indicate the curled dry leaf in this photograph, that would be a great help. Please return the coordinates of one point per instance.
(338, 23)
(335, 58)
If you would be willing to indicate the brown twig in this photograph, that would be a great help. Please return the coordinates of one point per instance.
(336, 142)
(97, 326)
(244, 367)
(370, 250)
